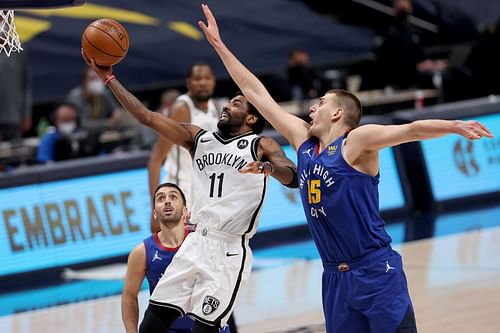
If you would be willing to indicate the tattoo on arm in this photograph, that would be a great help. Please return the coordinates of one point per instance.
(130, 102)
(279, 158)
(277, 154)
(284, 169)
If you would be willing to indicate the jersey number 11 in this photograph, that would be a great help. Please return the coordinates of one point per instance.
(213, 179)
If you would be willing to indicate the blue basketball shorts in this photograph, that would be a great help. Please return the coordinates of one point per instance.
(368, 294)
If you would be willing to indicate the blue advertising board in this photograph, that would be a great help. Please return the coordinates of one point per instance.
(72, 221)
(391, 186)
(460, 168)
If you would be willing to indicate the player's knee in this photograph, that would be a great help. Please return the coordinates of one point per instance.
(158, 319)
(199, 327)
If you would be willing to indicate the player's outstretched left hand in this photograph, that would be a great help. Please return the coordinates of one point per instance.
(472, 129)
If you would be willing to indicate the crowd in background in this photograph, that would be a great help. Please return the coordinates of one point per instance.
(89, 121)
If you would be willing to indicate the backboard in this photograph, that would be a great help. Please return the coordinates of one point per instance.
(17, 4)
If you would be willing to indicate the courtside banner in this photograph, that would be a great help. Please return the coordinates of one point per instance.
(391, 193)
(460, 168)
(72, 221)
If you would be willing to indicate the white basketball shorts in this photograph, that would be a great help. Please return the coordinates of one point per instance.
(205, 276)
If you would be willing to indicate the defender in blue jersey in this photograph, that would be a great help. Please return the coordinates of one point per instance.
(364, 286)
(154, 254)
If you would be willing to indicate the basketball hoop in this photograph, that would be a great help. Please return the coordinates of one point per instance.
(9, 38)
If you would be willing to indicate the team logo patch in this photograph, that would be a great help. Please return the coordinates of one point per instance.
(210, 304)
(332, 150)
(242, 144)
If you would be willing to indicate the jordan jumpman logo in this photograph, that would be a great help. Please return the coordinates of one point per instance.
(388, 267)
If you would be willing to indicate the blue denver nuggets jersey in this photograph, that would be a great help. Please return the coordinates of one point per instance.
(158, 257)
(341, 204)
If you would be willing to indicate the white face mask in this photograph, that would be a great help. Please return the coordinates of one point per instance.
(67, 127)
(96, 87)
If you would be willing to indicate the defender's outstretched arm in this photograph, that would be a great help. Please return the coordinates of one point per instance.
(294, 129)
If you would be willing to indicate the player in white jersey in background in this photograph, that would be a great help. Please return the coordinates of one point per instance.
(197, 107)
(214, 262)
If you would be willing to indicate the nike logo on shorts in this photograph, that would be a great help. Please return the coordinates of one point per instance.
(228, 254)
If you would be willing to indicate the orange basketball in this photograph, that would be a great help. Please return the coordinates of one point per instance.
(105, 41)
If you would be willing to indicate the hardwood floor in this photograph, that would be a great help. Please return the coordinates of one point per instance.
(454, 282)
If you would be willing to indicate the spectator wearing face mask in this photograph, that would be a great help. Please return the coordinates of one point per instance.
(65, 125)
(66, 139)
(95, 104)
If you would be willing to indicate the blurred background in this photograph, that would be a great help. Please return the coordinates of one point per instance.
(395, 54)
(80, 199)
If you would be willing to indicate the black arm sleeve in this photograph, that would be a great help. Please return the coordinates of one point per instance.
(294, 183)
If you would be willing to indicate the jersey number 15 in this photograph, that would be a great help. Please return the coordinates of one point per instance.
(313, 191)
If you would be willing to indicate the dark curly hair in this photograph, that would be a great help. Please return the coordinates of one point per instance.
(260, 124)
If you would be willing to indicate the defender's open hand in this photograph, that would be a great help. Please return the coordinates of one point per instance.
(472, 130)
(210, 29)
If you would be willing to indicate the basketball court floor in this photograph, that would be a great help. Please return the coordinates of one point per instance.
(454, 280)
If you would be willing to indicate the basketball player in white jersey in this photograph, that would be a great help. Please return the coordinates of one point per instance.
(196, 107)
(213, 263)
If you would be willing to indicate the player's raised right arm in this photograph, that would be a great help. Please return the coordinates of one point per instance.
(294, 129)
(171, 130)
(168, 128)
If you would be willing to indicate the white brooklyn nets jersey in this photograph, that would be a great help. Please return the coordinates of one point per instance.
(224, 199)
(178, 162)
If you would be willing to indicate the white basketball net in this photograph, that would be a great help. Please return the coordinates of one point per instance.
(9, 39)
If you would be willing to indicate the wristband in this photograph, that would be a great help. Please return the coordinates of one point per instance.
(294, 183)
(108, 79)
(270, 166)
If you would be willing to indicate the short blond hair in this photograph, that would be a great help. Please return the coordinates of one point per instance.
(353, 110)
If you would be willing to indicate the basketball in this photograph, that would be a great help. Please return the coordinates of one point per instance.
(105, 41)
